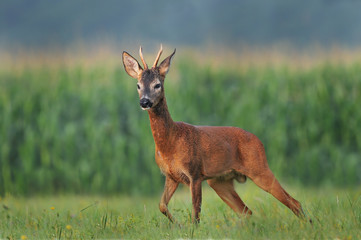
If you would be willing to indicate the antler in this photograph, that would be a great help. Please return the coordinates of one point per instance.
(141, 57)
(158, 56)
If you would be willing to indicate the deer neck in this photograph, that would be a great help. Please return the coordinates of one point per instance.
(162, 124)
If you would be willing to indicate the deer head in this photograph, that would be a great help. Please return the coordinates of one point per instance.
(150, 81)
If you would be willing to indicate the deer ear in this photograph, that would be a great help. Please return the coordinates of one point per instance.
(164, 66)
(131, 65)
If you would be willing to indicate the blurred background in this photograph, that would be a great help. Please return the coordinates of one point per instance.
(287, 71)
(40, 23)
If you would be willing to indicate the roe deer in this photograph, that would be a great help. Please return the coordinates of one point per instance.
(190, 154)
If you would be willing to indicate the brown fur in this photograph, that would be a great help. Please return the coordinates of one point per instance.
(191, 154)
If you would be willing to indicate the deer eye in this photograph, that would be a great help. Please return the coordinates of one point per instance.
(138, 86)
(157, 86)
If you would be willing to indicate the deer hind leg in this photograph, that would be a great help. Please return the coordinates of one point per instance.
(225, 190)
(267, 181)
(169, 189)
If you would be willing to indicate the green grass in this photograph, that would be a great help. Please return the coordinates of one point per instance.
(336, 214)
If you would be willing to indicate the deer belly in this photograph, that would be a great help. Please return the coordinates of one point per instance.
(219, 161)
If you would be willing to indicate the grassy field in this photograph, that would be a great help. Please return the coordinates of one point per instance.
(77, 154)
(336, 214)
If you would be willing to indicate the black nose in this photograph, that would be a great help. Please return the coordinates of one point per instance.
(145, 103)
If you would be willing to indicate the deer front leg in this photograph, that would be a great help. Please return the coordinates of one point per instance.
(169, 188)
(196, 190)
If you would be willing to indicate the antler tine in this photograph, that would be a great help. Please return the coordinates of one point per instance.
(141, 57)
(158, 56)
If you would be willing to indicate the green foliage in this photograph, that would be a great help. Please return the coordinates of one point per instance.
(80, 129)
(336, 215)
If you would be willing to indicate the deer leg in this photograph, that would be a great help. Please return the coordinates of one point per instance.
(169, 188)
(196, 191)
(226, 192)
(267, 181)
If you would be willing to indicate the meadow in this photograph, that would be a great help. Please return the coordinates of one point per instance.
(77, 154)
(336, 214)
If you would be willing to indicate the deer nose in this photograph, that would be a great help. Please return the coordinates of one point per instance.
(145, 103)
